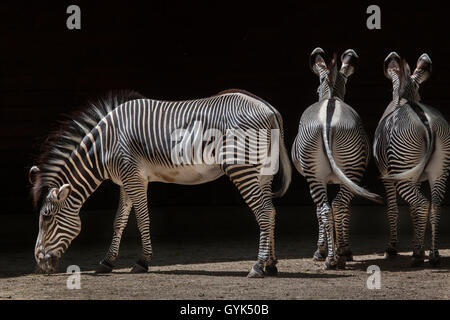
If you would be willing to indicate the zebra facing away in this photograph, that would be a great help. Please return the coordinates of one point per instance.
(412, 145)
(128, 139)
(332, 147)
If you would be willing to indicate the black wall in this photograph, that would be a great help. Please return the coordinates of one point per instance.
(182, 50)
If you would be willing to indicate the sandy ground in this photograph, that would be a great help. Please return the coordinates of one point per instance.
(209, 269)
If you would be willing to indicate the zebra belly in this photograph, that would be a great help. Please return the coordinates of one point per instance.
(189, 175)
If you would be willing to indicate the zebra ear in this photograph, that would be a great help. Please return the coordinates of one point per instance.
(423, 69)
(32, 174)
(349, 61)
(62, 193)
(392, 66)
(317, 62)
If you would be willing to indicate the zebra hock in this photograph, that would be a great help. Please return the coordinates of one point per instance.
(133, 141)
(412, 146)
(331, 147)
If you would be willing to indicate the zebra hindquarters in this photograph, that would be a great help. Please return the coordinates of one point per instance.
(256, 190)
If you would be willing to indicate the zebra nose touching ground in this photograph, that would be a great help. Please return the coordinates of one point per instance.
(133, 141)
(331, 147)
(411, 146)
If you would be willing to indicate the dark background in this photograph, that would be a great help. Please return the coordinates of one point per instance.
(179, 50)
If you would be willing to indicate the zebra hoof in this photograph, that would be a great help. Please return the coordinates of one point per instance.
(340, 263)
(391, 253)
(348, 254)
(417, 262)
(318, 256)
(140, 267)
(271, 271)
(330, 264)
(256, 272)
(435, 261)
(104, 267)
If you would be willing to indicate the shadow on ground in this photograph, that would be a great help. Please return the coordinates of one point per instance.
(367, 251)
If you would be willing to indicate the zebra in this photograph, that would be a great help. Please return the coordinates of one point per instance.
(128, 139)
(411, 146)
(331, 147)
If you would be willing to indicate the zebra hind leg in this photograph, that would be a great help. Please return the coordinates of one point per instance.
(328, 221)
(120, 222)
(438, 188)
(271, 268)
(392, 213)
(247, 180)
(341, 214)
(318, 192)
(419, 206)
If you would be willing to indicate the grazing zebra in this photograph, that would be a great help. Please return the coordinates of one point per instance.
(331, 147)
(412, 145)
(129, 139)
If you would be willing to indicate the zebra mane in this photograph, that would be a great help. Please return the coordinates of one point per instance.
(332, 68)
(407, 89)
(60, 143)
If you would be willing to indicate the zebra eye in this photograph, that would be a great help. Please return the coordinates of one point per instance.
(46, 216)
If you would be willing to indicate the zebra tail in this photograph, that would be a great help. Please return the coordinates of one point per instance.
(326, 130)
(415, 172)
(282, 178)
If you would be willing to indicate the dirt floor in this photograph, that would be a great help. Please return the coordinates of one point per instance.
(208, 269)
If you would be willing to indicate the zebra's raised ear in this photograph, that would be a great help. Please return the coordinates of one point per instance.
(349, 61)
(32, 174)
(392, 69)
(423, 69)
(317, 62)
(61, 194)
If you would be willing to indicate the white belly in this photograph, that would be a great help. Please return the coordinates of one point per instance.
(195, 174)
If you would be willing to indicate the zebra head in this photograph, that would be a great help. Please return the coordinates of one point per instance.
(332, 81)
(406, 85)
(59, 222)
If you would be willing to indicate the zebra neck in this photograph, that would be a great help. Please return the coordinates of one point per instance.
(85, 169)
(339, 86)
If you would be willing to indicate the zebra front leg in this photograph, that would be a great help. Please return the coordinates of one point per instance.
(419, 206)
(136, 190)
(392, 213)
(120, 222)
(438, 188)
